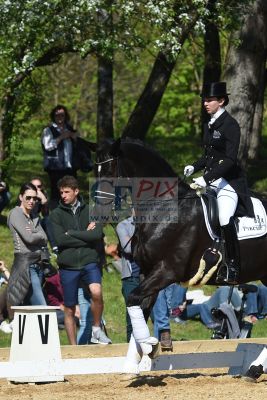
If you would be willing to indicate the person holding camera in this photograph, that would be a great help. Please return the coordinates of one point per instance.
(58, 143)
(30, 251)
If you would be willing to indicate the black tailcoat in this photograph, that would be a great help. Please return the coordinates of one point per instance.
(221, 144)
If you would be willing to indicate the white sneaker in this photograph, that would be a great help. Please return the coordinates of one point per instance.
(99, 337)
(6, 327)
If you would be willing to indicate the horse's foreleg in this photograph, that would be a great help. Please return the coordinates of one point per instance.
(133, 357)
(140, 329)
(150, 286)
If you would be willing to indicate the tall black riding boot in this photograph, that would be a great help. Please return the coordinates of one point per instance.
(232, 253)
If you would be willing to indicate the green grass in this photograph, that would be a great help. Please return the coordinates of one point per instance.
(29, 164)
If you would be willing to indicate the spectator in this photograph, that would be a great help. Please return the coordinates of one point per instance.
(4, 277)
(221, 295)
(84, 335)
(170, 298)
(256, 305)
(30, 240)
(201, 309)
(64, 151)
(41, 209)
(4, 195)
(58, 147)
(79, 243)
(54, 296)
(130, 274)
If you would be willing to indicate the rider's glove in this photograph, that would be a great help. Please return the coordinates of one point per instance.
(188, 170)
(200, 182)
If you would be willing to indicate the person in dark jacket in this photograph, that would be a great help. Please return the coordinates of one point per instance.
(78, 242)
(222, 172)
(58, 146)
(64, 151)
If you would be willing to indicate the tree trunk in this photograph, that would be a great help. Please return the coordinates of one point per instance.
(245, 75)
(105, 99)
(6, 126)
(255, 137)
(212, 55)
(149, 101)
(212, 67)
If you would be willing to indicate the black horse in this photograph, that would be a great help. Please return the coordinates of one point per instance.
(170, 252)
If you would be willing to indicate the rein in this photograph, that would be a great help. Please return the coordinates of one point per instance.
(112, 195)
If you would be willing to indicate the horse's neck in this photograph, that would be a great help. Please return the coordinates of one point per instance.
(139, 161)
(184, 190)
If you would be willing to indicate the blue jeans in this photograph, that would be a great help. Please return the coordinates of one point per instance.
(35, 295)
(128, 285)
(170, 297)
(86, 319)
(192, 310)
(221, 296)
(256, 303)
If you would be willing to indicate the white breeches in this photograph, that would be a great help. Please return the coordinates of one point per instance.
(226, 198)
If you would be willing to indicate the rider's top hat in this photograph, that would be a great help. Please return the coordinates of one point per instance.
(214, 89)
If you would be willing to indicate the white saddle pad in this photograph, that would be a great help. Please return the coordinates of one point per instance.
(248, 228)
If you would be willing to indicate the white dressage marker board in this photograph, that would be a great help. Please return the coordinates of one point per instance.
(35, 340)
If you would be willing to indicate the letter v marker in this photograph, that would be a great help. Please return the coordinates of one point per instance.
(44, 329)
(21, 327)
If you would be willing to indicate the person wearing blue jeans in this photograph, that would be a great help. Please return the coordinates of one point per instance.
(29, 240)
(168, 299)
(256, 304)
(86, 318)
(35, 295)
(221, 296)
(201, 309)
(173, 299)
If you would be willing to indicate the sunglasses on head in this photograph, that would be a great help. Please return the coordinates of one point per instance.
(28, 198)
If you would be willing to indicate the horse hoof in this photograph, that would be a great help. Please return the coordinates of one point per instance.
(155, 351)
(130, 368)
(148, 344)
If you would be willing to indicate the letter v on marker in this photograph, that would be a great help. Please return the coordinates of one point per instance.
(44, 329)
(22, 320)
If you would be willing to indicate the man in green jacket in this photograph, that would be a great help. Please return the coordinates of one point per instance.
(79, 243)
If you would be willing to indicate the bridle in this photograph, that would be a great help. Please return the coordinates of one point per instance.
(101, 194)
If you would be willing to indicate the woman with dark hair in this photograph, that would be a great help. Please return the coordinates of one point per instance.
(58, 142)
(30, 240)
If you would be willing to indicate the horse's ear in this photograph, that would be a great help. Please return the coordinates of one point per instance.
(115, 148)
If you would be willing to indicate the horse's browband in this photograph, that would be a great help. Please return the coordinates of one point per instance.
(108, 160)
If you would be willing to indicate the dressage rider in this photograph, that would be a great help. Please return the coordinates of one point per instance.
(222, 173)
